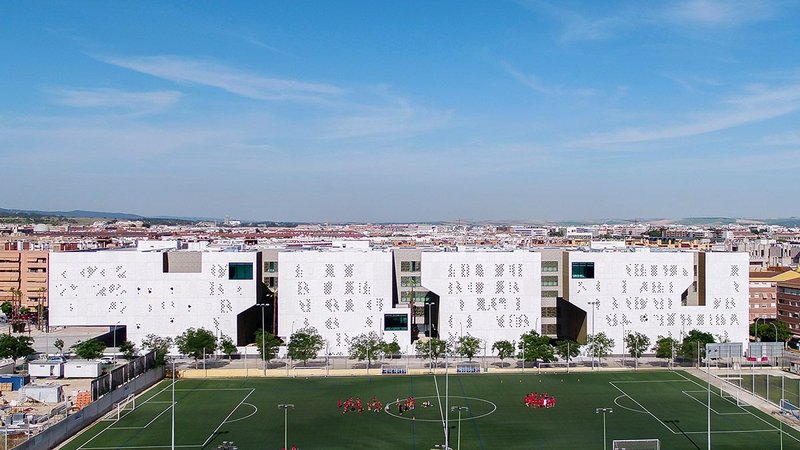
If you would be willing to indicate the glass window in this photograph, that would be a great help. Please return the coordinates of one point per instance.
(240, 271)
(271, 266)
(410, 266)
(549, 294)
(549, 281)
(549, 266)
(549, 311)
(395, 322)
(410, 281)
(583, 270)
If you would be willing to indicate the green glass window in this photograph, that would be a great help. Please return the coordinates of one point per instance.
(240, 271)
(549, 266)
(583, 270)
(410, 281)
(549, 281)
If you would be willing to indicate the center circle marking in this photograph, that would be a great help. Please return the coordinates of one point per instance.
(387, 409)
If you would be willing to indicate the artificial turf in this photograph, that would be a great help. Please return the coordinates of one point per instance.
(670, 406)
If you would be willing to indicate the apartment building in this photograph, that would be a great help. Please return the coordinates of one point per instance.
(789, 304)
(764, 291)
(23, 277)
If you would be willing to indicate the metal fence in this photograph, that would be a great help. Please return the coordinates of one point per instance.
(121, 375)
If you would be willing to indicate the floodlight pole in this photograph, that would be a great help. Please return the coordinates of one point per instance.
(459, 409)
(285, 408)
(172, 424)
(263, 332)
(604, 411)
(594, 344)
(708, 376)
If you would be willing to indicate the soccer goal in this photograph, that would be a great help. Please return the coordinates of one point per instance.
(305, 372)
(119, 410)
(636, 444)
(789, 408)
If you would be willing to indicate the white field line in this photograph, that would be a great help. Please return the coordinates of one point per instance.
(112, 423)
(211, 436)
(689, 394)
(774, 428)
(641, 406)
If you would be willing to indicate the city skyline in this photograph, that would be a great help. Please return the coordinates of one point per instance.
(359, 112)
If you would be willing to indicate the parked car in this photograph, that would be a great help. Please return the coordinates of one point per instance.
(60, 359)
(106, 360)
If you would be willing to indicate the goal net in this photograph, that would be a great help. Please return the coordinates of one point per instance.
(636, 444)
(119, 410)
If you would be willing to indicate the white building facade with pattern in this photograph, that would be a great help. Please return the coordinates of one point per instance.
(652, 292)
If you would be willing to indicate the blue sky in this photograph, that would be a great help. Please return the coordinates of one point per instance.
(402, 111)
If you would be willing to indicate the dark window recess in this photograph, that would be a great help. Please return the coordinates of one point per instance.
(395, 322)
(240, 271)
(583, 270)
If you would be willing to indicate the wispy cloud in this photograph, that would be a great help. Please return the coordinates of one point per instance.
(719, 13)
(236, 81)
(535, 83)
(758, 103)
(139, 102)
(692, 82)
(396, 120)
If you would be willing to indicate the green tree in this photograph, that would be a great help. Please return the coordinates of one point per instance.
(6, 308)
(128, 350)
(567, 349)
(196, 343)
(766, 332)
(367, 346)
(534, 347)
(304, 344)
(270, 342)
(159, 345)
(227, 346)
(59, 344)
(391, 349)
(504, 349)
(432, 348)
(15, 347)
(637, 343)
(665, 346)
(599, 345)
(692, 340)
(468, 346)
(89, 349)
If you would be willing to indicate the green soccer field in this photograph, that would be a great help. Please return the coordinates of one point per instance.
(670, 406)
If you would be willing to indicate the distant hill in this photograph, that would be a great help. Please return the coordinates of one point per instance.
(83, 214)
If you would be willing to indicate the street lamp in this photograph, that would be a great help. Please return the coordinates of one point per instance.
(285, 408)
(459, 409)
(115, 341)
(594, 344)
(263, 332)
(604, 411)
(430, 335)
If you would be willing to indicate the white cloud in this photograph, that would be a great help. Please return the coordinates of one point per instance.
(151, 101)
(236, 81)
(533, 82)
(759, 103)
(718, 13)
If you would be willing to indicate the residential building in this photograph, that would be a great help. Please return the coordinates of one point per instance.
(789, 304)
(764, 291)
(23, 278)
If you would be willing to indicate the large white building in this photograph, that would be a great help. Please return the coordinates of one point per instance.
(162, 292)
(341, 294)
(491, 295)
(660, 293)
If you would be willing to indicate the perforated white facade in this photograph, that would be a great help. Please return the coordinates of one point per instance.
(132, 289)
(340, 293)
(491, 295)
(641, 292)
